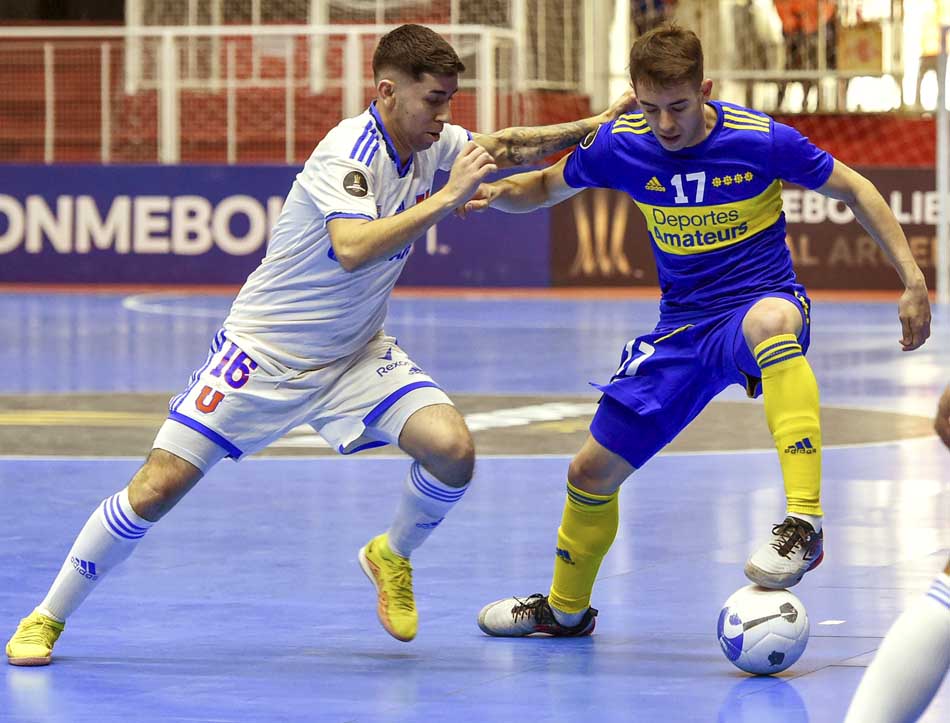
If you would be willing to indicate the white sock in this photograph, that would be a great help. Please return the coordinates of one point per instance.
(813, 520)
(568, 620)
(108, 537)
(424, 503)
(910, 664)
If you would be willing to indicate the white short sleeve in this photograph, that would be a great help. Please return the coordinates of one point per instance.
(451, 143)
(340, 187)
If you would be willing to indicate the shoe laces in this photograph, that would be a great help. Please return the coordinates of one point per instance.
(790, 534)
(400, 583)
(38, 632)
(535, 606)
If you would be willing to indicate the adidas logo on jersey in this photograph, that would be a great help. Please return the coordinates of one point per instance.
(654, 185)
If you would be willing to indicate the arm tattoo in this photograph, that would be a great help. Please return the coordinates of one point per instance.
(527, 145)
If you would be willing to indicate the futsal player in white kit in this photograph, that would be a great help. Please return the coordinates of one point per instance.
(914, 657)
(304, 340)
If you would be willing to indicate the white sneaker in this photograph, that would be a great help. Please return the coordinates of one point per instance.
(516, 617)
(795, 548)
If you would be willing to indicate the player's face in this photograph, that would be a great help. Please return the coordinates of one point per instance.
(676, 115)
(417, 109)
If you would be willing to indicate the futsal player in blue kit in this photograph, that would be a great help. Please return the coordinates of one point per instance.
(707, 177)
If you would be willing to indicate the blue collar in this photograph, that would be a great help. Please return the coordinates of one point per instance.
(401, 169)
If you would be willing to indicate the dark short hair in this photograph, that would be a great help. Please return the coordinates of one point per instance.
(414, 50)
(666, 56)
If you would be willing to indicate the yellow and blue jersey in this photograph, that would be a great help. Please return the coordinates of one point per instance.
(714, 210)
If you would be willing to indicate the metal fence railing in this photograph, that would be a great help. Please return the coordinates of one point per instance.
(222, 94)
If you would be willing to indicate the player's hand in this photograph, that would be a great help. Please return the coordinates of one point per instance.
(471, 166)
(914, 312)
(482, 199)
(626, 103)
(942, 421)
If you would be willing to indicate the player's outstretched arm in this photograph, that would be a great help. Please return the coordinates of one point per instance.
(873, 213)
(357, 241)
(523, 192)
(523, 146)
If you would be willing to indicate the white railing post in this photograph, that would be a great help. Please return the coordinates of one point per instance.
(217, 20)
(822, 57)
(352, 75)
(133, 46)
(289, 103)
(190, 73)
(541, 35)
(589, 60)
(486, 82)
(568, 54)
(105, 104)
(49, 93)
(168, 118)
(319, 15)
(255, 52)
(943, 175)
(599, 69)
(519, 23)
(230, 83)
(455, 9)
(617, 56)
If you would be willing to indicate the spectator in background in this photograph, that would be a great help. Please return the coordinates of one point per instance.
(647, 14)
(936, 13)
(800, 23)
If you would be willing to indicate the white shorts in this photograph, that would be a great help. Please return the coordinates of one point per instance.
(234, 406)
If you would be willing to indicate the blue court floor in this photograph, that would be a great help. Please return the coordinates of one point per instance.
(246, 603)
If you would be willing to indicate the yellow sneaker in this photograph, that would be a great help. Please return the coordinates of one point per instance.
(32, 643)
(392, 576)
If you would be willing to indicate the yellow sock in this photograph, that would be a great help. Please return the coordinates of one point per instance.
(791, 408)
(588, 528)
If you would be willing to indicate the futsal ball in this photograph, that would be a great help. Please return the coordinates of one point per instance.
(762, 631)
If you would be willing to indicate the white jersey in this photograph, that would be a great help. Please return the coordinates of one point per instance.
(300, 308)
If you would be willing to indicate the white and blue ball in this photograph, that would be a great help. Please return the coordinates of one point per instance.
(762, 631)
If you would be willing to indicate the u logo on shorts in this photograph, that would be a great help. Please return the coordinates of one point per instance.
(206, 405)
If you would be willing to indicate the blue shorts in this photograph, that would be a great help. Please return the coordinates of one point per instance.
(668, 376)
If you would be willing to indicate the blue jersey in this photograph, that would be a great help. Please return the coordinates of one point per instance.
(714, 210)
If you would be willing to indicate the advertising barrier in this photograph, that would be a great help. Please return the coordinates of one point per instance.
(79, 224)
(599, 237)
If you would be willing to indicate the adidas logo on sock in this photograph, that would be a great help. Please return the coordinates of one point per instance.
(85, 568)
(654, 185)
(802, 446)
(429, 525)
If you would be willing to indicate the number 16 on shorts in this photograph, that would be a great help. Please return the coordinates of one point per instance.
(229, 364)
